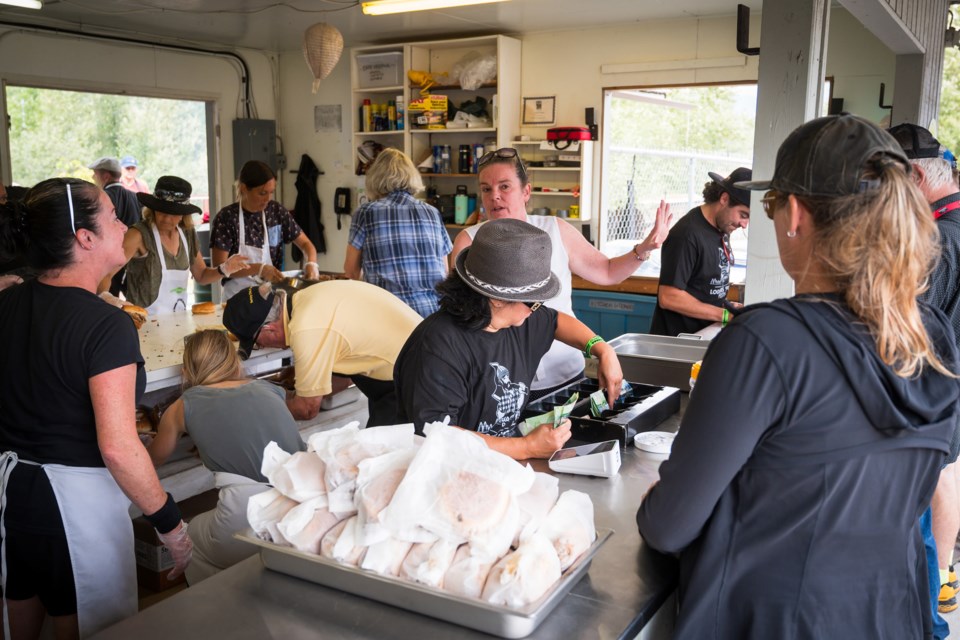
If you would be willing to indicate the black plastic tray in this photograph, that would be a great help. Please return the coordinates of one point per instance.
(641, 410)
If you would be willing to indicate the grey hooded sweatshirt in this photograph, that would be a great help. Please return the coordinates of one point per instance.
(795, 485)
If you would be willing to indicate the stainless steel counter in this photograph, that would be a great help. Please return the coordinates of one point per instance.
(624, 588)
(161, 343)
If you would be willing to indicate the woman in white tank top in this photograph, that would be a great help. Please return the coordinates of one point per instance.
(504, 192)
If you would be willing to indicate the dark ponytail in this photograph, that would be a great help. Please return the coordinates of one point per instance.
(39, 228)
(255, 173)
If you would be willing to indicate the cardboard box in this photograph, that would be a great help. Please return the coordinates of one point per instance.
(153, 559)
(379, 69)
(429, 112)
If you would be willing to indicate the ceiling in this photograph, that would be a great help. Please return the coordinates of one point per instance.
(278, 25)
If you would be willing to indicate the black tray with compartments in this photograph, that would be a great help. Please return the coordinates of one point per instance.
(641, 409)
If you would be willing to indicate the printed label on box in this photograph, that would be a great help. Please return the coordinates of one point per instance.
(611, 304)
(151, 556)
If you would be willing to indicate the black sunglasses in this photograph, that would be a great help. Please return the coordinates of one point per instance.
(506, 153)
(533, 306)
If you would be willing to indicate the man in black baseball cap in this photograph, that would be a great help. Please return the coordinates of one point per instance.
(696, 258)
(344, 327)
(934, 171)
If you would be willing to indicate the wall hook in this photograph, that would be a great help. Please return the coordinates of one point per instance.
(743, 32)
(883, 88)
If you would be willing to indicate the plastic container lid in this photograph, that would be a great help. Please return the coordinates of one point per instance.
(657, 442)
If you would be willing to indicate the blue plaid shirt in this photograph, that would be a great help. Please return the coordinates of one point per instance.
(403, 246)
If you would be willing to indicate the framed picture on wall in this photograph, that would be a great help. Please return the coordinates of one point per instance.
(542, 110)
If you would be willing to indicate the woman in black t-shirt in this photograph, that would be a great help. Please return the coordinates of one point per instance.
(69, 452)
(473, 361)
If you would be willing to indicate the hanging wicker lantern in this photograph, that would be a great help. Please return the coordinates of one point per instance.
(322, 46)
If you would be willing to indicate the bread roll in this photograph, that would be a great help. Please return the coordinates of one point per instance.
(138, 314)
(203, 308)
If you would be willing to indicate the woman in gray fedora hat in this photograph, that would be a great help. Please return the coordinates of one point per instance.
(163, 251)
(473, 361)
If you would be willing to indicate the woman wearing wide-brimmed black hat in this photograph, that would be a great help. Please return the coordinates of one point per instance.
(160, 285)
(474, 359)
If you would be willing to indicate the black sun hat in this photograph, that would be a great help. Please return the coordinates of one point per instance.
(509, 260)
(170, 195)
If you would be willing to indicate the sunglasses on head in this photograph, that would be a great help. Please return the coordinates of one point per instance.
(506, 153)
(533, 306)
(171, 196)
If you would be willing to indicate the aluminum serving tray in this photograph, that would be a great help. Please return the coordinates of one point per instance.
(467, 612)
(660, 360)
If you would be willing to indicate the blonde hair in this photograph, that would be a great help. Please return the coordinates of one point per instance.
(209, 358)
(186, 222)
(880, 247)
(392, 171)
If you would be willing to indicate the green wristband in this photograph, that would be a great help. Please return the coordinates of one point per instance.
(725, 318)
(592, 341)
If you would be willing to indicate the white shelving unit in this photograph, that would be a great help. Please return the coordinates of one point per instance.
(564, 186)
(438, 58)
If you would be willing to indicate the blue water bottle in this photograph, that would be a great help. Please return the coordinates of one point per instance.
(437, 158)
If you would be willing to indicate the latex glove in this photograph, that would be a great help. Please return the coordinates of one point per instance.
(234, 263)
(311, 271)
(109, 298)
(180, 546)
(270, 273)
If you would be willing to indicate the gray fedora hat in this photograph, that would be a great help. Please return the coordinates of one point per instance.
(509, 260)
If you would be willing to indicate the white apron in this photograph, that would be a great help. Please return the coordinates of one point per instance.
(96, 520)
(214, 547)
(172, 294)
(253, 254)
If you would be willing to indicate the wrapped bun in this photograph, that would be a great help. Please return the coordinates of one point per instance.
(204, 308)
(138, 314)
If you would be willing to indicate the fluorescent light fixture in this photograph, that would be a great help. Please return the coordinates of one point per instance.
(26, 4)
(384, 7)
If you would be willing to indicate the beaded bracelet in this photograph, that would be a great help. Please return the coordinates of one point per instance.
(592, 341)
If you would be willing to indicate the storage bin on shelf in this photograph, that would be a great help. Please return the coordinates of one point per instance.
(379, 69)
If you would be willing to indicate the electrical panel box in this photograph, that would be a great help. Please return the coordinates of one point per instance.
(254, 140)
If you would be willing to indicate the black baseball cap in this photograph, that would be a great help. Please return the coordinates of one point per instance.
(826, 157)
(740, 174)
(244, 315)
(918, 143)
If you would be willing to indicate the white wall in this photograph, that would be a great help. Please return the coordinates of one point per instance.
(858, 63)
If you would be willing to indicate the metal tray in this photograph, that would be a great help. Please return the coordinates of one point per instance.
(467, 612)
(660, 360)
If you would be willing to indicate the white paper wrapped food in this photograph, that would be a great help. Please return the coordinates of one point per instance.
(377, 482)
(386, 556)
(467, 573)
(305, 525)
(264, 512)
(340, 543)
(428, 562)
(298, 476)
(523, 576)
(570, 527)
(536, 503)
(460, 490)
(343, 449)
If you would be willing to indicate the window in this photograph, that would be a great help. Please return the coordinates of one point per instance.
(55, 133)
(659, 143)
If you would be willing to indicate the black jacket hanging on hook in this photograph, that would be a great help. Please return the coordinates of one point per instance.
(307, 208)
